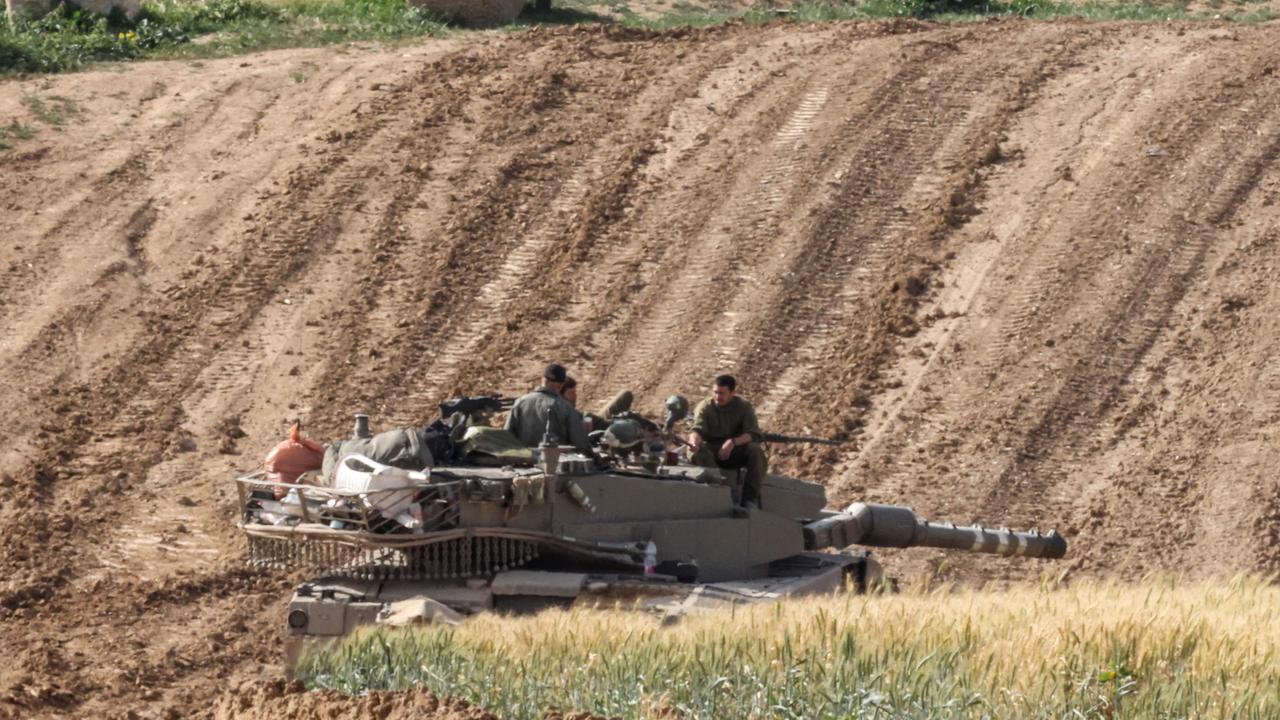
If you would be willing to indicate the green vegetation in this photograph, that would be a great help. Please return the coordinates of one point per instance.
(1151, 650)
(685, 14)
(53, 110)
(14, 131)
(69, 39)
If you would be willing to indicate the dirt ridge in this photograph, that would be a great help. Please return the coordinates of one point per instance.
(1025, 269)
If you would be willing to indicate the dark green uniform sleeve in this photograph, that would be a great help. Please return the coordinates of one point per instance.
(575, 432)
(700, 419)
(749, 424)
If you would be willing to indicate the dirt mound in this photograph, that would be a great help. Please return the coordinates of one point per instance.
(1026, 269)
(278, 700)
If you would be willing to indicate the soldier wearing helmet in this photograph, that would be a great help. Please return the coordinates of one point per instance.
(727, 435)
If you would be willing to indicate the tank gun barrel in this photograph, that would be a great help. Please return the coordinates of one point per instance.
(894, 526)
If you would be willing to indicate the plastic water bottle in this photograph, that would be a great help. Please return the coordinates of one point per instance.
(650, 558)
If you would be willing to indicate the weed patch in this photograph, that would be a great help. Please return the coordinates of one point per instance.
(68, 39)
(15, 131)
(54, 110)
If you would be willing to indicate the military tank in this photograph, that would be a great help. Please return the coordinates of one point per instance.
(513, 529)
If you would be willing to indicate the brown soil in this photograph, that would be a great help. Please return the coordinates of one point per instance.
(1026, 269)
(276, 700)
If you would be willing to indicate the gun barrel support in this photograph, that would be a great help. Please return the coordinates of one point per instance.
(894, 526)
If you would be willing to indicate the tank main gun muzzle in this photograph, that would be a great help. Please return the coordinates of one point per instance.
(895, 526)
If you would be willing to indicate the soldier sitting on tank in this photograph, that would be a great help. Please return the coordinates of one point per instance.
(545, 409)
(726, 435)
(619, 404)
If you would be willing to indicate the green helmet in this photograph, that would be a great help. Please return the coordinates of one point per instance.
(677, 410)
(624, 434)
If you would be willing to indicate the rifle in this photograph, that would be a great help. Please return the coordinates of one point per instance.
(471, 405)
(785, 439)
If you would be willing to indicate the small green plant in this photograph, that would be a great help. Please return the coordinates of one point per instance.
(15, 131)
(302, 73)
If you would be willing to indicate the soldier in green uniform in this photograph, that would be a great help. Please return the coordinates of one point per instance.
(619, 404)
(590, 422)
(726, 434)
(532, 414)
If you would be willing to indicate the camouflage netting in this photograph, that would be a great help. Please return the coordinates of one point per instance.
(476, 13)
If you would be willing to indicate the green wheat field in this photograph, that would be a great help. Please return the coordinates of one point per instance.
(1155, 649)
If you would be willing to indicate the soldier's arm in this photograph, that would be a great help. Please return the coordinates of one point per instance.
(699, 430)
(576, 434)
(750, 428)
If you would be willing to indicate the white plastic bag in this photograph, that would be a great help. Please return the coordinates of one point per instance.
(389, 490)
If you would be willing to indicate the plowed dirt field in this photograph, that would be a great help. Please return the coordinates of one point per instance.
(1028, 270)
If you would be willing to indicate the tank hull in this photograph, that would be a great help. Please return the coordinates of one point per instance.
(328, 609)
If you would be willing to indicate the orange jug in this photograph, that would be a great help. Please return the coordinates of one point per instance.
(293, 457)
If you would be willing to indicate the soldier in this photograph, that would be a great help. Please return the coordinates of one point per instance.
(588, 421)
(619, 404)
(726, 435)
(545, 407)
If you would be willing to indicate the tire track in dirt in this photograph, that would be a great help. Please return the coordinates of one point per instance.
(480, 300)
(1007, 228)
(145, 391)
(152, 260)
(881, 189)
(727, 238)
(1049, 258)
(736, 231)
(761, 208)
(116, 190)
(966, 157)
(1132, 319)
(660, 139)
(1130, 312)
(629, 290)
(540, 269)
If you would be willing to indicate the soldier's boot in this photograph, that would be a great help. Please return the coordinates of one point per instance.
(619, 404)
(756, 469)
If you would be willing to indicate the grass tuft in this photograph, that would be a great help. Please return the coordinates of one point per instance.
(1094, 650)
(15, 131)
(54, 110)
